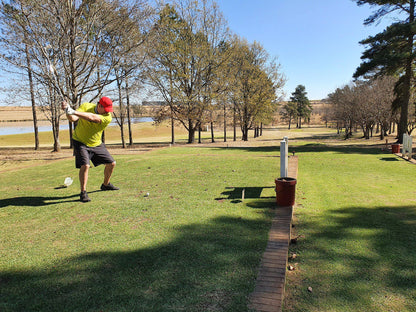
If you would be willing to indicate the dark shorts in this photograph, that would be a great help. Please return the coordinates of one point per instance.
(98, 155)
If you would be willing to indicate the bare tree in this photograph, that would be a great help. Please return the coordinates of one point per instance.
(366, 104)
(184, 56)
(345, 108)
(14, 39)
(70, 41)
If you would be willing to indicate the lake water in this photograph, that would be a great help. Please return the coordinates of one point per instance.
(28, 127)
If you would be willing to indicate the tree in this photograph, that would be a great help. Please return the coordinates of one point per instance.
(185, 53)
(345, 109)
(382, 96)
(73, 45)
(14, 36)
(365, 108)
(257, 82)
(303, 106)
(391, 52)
(289, 112)
(365, 104)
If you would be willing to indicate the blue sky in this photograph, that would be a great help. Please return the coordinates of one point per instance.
(316, 41)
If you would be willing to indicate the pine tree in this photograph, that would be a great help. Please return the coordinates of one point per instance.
(391, 52)
(304, 108)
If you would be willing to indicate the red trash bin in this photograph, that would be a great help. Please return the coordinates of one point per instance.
(285, 191)
(395, 148)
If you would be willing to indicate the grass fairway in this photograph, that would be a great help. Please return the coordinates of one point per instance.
(191, 245)
(357, 223)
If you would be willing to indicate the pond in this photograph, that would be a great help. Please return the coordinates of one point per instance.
(7, 128)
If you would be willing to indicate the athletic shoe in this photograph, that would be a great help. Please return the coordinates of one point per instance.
(109, 187)
(84, 197)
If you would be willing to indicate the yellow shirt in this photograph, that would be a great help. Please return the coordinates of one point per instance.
(88, 132)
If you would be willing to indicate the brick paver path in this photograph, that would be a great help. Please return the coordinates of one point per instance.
(270, 284)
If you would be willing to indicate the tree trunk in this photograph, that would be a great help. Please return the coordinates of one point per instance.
(32, 99)
(199, 133)
(172, 121)
(225, 123)
(191, 132)
(407, 79)
(121, 121)
(244, 129)
(54, 120)
(128, 112)
(235, 125)
(212, 132)
(55, 131)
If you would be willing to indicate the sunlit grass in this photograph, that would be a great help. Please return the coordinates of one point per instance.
(356, 218)
(191, 244)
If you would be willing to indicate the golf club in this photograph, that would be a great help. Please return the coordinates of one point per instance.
(52, 70)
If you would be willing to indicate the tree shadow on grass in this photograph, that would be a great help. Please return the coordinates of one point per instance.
(205, 267)
(364, 258)
(392, 158)
(238, 194)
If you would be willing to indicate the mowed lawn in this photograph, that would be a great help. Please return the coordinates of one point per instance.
(191, 244)
(194, 245)
(356, 228)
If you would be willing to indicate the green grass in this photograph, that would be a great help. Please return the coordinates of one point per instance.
(191, 245)
(357, 223)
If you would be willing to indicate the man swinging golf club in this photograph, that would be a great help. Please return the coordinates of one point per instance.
(88, 146)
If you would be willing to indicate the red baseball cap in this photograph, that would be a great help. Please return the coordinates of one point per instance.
(107, 104)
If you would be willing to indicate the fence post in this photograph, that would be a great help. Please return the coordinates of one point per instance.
(284, 157)
(407, 146)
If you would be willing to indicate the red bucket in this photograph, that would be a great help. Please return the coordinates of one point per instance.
(395, 148)
(285, 191)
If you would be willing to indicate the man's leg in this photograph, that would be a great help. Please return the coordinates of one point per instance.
(103, 157)
(83, 177)
(82, 162)
(108, 171)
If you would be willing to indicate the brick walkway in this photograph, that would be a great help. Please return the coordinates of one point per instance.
(270, 284)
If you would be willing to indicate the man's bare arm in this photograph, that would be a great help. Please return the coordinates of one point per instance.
(88, 116)
(74, 115)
